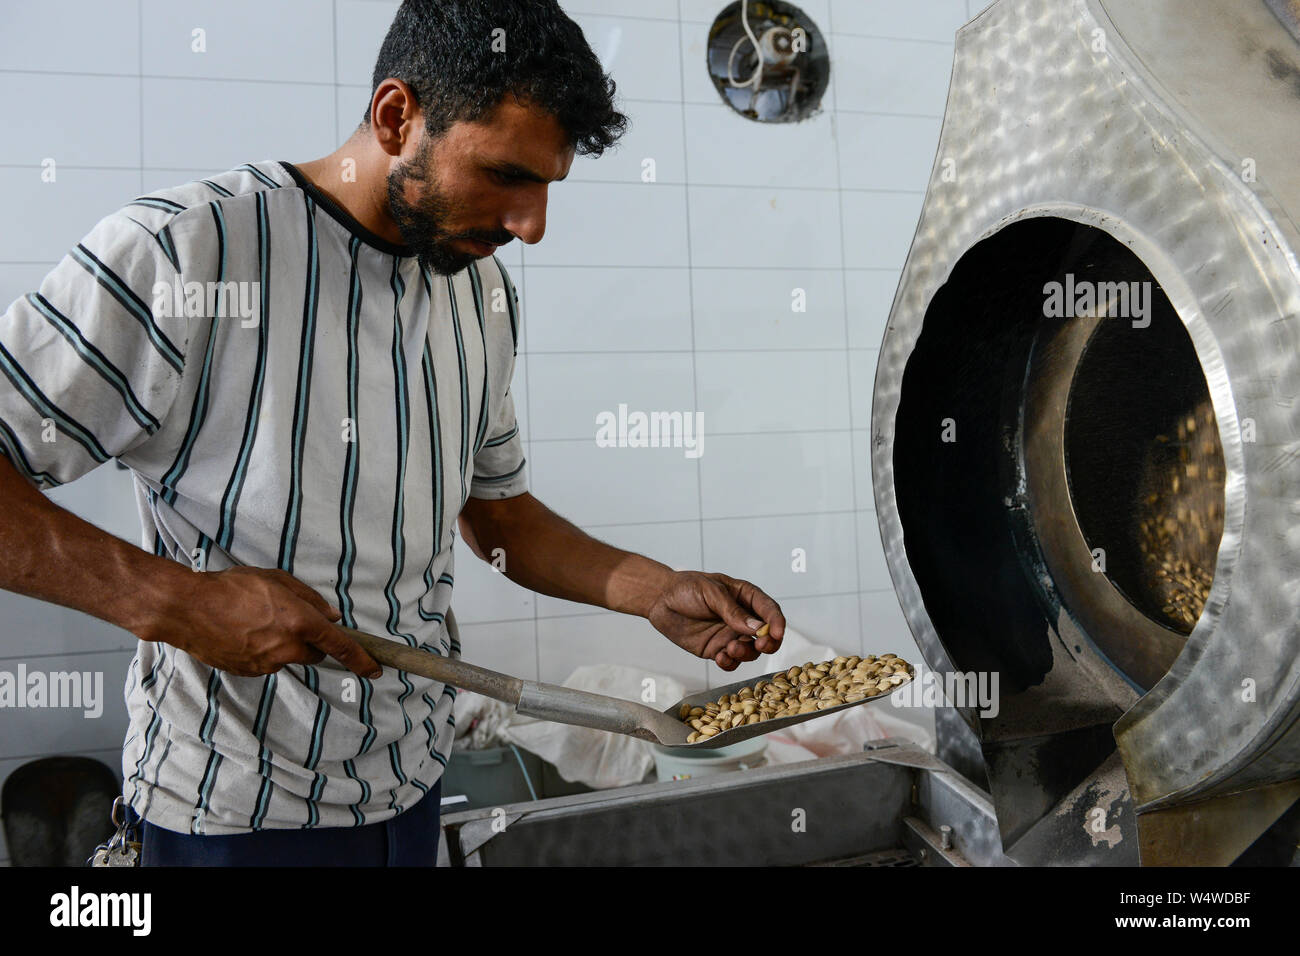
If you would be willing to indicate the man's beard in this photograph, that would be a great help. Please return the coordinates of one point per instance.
(421, 226)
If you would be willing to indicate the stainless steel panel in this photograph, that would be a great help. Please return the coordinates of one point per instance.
(1053, 111)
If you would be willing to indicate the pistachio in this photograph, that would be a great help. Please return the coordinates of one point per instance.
(805, 690)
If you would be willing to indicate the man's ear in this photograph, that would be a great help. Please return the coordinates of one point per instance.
(395, 116)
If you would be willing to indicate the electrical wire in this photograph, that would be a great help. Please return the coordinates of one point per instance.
(528, 780)
(757, 76)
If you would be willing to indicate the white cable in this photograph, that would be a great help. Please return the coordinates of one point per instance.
(757, 76)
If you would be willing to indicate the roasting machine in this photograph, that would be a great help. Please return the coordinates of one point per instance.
(1085, 446)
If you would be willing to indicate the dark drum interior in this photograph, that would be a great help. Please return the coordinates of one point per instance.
(1131, 390)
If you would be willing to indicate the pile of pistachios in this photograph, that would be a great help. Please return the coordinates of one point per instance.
(800, 690)
(1182, 518)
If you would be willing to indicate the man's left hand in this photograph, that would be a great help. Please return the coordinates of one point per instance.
(715, 617)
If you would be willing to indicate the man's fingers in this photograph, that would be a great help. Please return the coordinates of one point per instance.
(764, 607)
(721, 603)
(311, 655)
(309, 595)
(742, 650)
(346, 651)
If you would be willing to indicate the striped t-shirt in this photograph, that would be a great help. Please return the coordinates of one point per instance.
(289, 391)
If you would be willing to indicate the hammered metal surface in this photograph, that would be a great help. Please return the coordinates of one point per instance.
(1042, 122)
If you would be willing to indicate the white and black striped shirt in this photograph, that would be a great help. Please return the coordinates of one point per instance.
(290, 391)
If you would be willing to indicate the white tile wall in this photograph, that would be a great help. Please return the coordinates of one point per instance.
(674, 543)
(900, 19)
(744, 309)
(763, 550)
(870, 294)
(588, 309)
(764, 227)
(750, 391)
(776, 473)
(640, 54)
(218, 124)
(650, 151)
(96, 123)
(611, 486)
(506, 646)
(578, 387)
(94, 36)
(238, 40)
(883, 75)
(669, 294)
(862, 468)
(45, 219)
(878, 227)
(566, 643)
(359, 31)
(639, 225)
(727, 149)
(898, 150)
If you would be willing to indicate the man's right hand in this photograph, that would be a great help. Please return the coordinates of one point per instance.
(252, 621)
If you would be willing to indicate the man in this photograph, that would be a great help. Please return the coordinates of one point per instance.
(307, 369)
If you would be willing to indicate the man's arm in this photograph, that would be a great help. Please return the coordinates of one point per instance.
(245, 621)
(710, 615)
(49, 553)
(78, 358)
(545, 553)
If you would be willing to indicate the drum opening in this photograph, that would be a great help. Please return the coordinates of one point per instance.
(1044, 461)
(1145, 468)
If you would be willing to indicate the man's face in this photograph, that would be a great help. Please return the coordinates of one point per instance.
(478, 183)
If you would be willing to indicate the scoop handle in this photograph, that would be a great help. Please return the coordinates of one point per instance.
(458, 673)
(531, 698)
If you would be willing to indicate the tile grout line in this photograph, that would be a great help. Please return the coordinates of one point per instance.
(574, 180)
(690, 294)
(45, 655)
(557, 265)
(528, 441)
(605, 525)
(96, 750)
(139, 19)
(848, 354)
(781, 349)
(334, 39)
(706, 103)
(599, 612)
(753, 434)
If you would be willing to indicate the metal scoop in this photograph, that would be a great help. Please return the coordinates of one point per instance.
(565, 705)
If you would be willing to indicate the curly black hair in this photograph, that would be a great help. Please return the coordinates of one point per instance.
(461, 57)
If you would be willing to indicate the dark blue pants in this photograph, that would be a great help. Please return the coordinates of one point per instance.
(408, 839)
